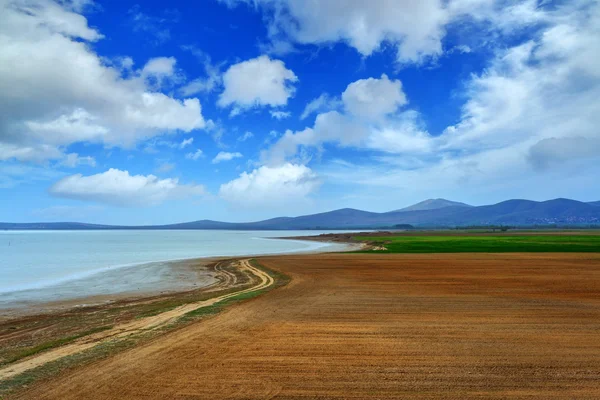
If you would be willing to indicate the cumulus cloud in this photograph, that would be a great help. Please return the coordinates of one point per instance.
(160, 71)
(373, 98)
(271, 185)
(159, 66)
(68, 128)
(117, 187)
(535, 105)
(414, 29)
(259, 82)
(64, 93)
(371, 119)
(225, 156)
(541, 89)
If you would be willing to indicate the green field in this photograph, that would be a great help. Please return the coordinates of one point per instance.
(485, 244)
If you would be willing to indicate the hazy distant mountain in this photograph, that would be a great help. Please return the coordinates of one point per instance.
(510, 212)
(56, 226)
(433, 204)
(595, 203)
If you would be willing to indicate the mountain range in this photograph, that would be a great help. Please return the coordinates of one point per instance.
(433, 204)
(426, 214)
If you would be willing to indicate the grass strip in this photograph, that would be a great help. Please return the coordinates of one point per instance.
(483, 244)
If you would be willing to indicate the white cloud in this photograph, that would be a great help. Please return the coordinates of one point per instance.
(73, 160)
(207, 84)
(32, 152)
(401, 135)
(280, 114)
(323, 103)
(225, 156)
(415, 28)
(116, 187)
(373, 98)
(271, 186)
(65, 129)
(160, 71)
(534, 107)
(186, 142)
(331, 127)
(257, 82)
(195, 155)
(159, 66)
(247, 135)
(544, 88)
(371, 120)
(553, 152)
(63, 92)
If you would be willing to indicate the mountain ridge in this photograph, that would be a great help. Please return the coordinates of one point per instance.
(515, 212)
(433, 204)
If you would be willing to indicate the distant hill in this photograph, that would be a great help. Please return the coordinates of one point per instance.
(510, 212)
(55, 226)
(433, 204)
(595, 203)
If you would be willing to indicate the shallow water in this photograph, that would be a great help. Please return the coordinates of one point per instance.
(59, 265)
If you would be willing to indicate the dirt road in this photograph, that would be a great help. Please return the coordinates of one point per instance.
(389, 326)
(134, 327)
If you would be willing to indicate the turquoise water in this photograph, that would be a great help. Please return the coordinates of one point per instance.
(58, 265)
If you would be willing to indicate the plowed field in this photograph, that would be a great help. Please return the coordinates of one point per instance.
(381, 326)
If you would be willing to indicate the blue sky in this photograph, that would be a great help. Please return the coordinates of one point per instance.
(132, 113)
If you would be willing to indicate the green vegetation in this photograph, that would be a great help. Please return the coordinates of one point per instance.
(484, 244)
(52, 344)
(103, 350)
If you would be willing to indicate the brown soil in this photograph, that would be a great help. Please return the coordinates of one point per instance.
(133, 327)
(382, 326)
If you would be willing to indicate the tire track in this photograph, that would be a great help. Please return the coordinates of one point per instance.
(135, 327)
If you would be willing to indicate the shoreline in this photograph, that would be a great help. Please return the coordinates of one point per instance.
(26, 335)
(197, 266)
(138, 327)
(40, 342)
(32, 309)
